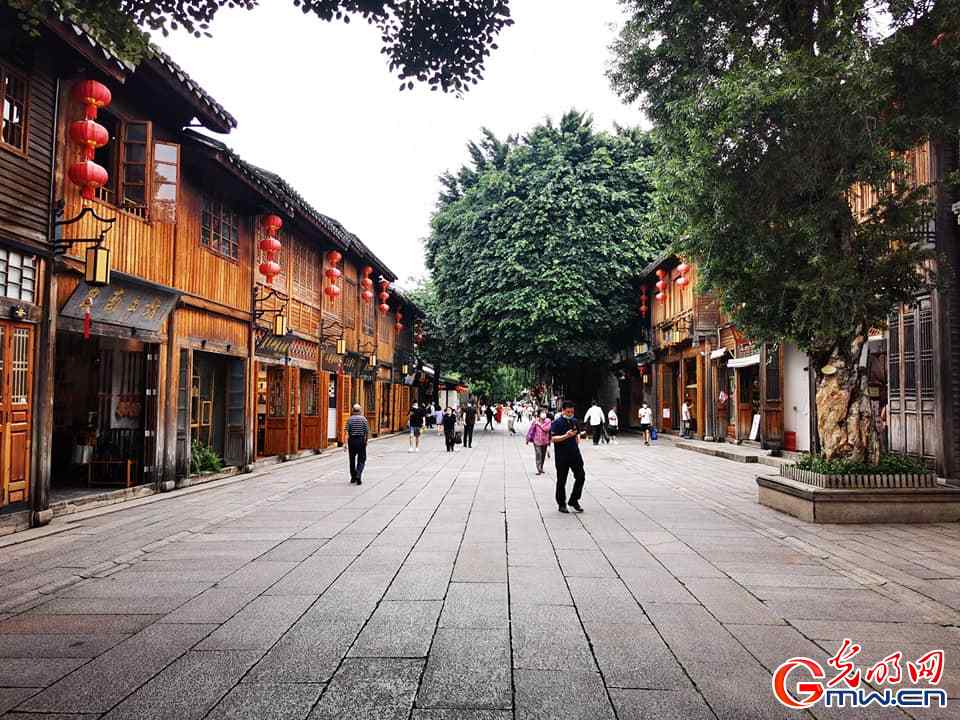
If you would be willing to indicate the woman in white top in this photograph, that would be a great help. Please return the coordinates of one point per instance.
(613, 424)
(646, 422)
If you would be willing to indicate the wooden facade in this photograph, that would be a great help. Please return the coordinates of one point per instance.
(118, 385)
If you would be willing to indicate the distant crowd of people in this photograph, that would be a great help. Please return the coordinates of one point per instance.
(560, 432)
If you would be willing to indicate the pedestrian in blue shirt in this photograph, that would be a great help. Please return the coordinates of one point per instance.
(565, 436)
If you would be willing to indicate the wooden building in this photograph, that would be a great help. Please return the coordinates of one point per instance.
(117, 383)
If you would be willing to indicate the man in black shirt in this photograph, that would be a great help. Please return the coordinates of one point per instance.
(357, 432)
(469, 420)
(417, 417)
(566, 450)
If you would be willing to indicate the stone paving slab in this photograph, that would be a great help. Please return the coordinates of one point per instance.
(448, 587)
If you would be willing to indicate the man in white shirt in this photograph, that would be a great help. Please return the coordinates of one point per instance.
(594, 418)
(613, 424)
(646, 422)
(685, 418)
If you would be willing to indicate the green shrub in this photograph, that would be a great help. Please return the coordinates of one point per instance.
(204, 458)
(889, 464)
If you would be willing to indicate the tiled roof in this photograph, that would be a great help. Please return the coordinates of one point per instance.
(223, 121)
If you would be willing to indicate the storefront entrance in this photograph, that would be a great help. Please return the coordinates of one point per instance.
(104, 412)
(16, 410)
(311, 420)
(748, 407)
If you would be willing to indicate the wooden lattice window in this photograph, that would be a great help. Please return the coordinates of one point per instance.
(13, 128)
(350, 298)
(125, 159)
(219, 228)
(18, 275)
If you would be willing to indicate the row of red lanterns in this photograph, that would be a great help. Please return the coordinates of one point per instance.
(384, 296)
(270, 246)
(332, 273)
(90, 135)
(662, 283)
(367, 284)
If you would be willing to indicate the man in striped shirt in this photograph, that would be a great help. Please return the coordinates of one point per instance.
(357, 432)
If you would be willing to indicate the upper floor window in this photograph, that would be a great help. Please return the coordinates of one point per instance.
(13, 123)
(17, 275)
(220, 228)
(125, 158)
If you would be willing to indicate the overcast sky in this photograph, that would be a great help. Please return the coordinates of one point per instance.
(316, 103)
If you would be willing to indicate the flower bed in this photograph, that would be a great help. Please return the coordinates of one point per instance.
(870, 480)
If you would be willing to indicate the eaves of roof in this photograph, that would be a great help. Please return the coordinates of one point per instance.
(662, 259)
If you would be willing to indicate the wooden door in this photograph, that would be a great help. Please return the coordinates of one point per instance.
(748, 399)
(771, 391)
(344, 393)
(151, 415)
(293, 424)
(16, 410)
(370, 404)
(668, 410)
(275, 423)
(234, 451)
(311, 419)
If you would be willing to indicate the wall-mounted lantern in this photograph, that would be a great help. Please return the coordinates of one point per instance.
(96, 269)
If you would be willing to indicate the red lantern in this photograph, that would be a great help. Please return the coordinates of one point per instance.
(384, 296)
(270, 246)
(661, 285)
(367, 296)
(333, 257)
(331, 291)
(681, 281)
(661, 297)
(661, 273)
(367, 284)
(682, 268)
(272, 224)
(643, 311)
(269, 270)
(384, 308)
(398, 327)
(90, 135)
(93, 94)
(332, 274)
(367, 271)
(89, 176)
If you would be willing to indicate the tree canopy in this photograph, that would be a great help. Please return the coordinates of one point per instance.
(536, 247)
(783, 133)
(440, 42)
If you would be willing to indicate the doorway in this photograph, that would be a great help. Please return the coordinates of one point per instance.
(311, 420)
(690, 393)
(16, 411)
(748, 402)
(332, 409)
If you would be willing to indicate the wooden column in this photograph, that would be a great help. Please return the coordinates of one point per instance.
(168, 473)
(45, 353)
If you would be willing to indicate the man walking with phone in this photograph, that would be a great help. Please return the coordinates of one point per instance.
(565, 437)
(469, 420)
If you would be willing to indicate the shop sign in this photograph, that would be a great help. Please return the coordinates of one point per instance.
(125, 305)
(269, 345)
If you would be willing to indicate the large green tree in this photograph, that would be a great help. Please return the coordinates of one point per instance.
(782, 127)
(536, 246)
(440, 42)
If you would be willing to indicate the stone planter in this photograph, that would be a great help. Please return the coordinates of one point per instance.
(871, 481)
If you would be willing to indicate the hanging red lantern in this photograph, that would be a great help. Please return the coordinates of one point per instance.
(331, 291)
(682, 281)
(661, 285)
(270, 246)
(269, 269)
(332, 273)
(661, 297)
(89, 176)
(367, 296)
(661, 273)
(398, 327)
(367, 284)
(384, 296)
(682, 268)
(333, 257)
(94, 95)
(367, 271)
(384, 308)
(90, 135)
(271, 224)
(87, 323)
(643, 311)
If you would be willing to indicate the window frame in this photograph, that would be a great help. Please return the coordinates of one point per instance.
(209, 246)
(5, 271)
(154, 201)
(117, 173)
(5, 72)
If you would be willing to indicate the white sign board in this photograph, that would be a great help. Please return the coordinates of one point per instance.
(755, 430)
(666, 413)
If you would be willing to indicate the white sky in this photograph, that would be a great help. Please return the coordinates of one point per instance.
(316, 103)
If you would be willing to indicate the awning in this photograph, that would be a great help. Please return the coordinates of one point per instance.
(427, 369)
(744, 361)
(717, 354)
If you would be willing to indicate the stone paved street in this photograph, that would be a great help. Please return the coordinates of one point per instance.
(448, 587)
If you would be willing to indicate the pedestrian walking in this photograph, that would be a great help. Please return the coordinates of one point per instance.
(511, 420)
(613, 424)
(358, 430)
(499, 415)
(416, 421)
(489, 416)
(646, 422)
(539, 435)
(438, 419)
(449, 424)
(469, 420)
(685, 417)
(565, 436)
(594, 420)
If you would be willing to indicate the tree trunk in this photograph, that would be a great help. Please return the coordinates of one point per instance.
(845, 420)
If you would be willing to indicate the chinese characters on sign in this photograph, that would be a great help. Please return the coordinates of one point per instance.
(130, 306)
